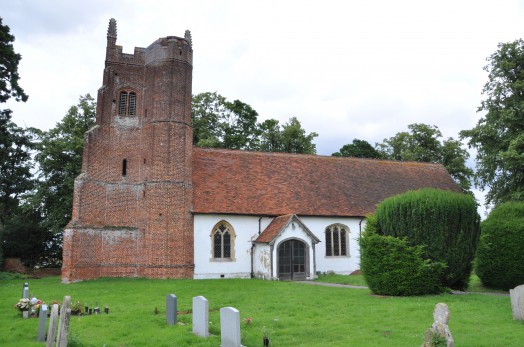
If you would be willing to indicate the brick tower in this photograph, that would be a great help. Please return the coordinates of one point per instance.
(133, 199)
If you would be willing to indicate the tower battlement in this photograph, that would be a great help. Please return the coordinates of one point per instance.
(165, 48)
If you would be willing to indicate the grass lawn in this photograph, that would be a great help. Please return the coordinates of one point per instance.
(296, 314)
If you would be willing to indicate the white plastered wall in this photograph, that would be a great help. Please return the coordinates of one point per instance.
(247, 230)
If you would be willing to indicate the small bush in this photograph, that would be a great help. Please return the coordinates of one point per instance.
(393, 267)
(444, 222)
(500, 254)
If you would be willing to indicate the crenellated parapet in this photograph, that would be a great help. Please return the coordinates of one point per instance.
(166, 48)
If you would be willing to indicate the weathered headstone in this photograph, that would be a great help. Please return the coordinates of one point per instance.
(171, 309)
(63, 324)
(439, 329)
(51, 331)
(230, 327)
(42, 319)
(517, 302)
(25, 291)
(200, 316)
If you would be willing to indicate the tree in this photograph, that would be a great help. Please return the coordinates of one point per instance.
(222, 124)
(423, 143)
(359, 149)
(218, 123)
(499, 134)
(500, 255)
(445, 223)
(15, 143)
(60, 162)
(9, 61)
(295, 139)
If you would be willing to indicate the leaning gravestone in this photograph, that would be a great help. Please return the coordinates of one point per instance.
(517, 302)
(42, 319)
(63, 324)
(440, 328)
(171, 309)
(230, 327)
(51, 331)
(200, 316)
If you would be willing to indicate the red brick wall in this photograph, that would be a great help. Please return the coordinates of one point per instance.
(138, 224)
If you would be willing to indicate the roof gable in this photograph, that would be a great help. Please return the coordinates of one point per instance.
(278, 225)
(275, 184)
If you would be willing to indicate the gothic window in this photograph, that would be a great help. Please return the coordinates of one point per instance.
(222, 238)
(127, 104)
(337, 240)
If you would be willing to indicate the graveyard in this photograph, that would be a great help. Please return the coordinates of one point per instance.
(286, 313)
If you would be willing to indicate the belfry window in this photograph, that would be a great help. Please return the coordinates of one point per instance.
(127, 104)
(337, 240)
(222, 239)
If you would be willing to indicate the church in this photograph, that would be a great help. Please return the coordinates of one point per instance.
(149, 204)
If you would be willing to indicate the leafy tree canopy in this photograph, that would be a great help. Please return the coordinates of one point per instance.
(499, 134)
(358, 148)
(219, 123)
(423, 143)
(9, 60)
(60, 162)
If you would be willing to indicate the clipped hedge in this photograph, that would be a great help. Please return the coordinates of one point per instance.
(444, 222)
(391, 266)
(500, 254)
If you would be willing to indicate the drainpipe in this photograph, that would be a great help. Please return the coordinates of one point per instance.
(360, 227)
(252, 258)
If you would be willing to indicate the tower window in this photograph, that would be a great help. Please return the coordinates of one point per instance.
(127, 104)
(124, 167)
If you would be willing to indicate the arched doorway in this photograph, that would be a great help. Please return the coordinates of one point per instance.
(292, 260)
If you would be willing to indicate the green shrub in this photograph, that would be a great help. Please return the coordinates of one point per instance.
(500, 255)
(392, 267)
(444, 222)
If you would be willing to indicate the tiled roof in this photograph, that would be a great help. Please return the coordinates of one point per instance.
(274, 228)
(275, 184)
(278, 224)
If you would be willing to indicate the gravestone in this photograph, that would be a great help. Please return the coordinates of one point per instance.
(51, 331)
(25, 291)
(517, 302)
(171, 309)
(230, 327)
(200, 316)
(42, 319)
(440, 328)
(63, 324)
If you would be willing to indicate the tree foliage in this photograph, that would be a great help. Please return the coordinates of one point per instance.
(9, 60)
(445, 223)
(15, 142)
(359, 149)
(393, 266)
(499, 134)
(219, 123)
(500, 255)
(60, 162)
(423, 143)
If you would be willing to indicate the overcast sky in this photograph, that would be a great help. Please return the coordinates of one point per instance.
(346, 69)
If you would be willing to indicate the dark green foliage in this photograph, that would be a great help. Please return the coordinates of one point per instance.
(423, 143)
(219, 123)
(500, 254)
(391, 266)
(9, 60)
(60, 162)
(359, 149)
(445, 223)
(499, 134)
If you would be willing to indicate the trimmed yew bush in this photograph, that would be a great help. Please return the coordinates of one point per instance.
(444, 222)
(500, 254)
(391, 266)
